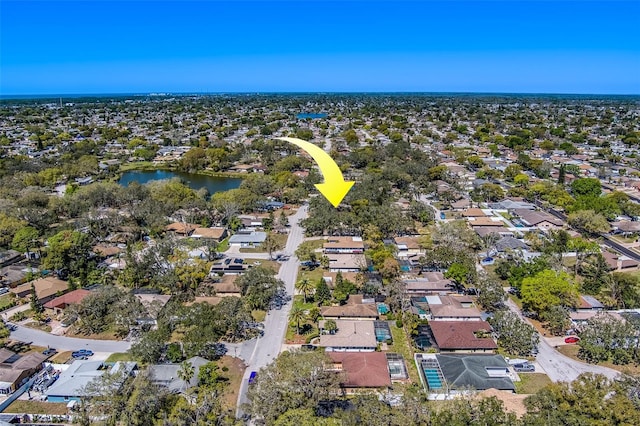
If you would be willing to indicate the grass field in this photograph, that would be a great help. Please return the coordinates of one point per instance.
(119, 356)
(223, 246)
(61, 358)
(313, 276)
(234, 373)
(5, 301)
(531, 382)
(402, 346)
(37, 407)
(275, 266)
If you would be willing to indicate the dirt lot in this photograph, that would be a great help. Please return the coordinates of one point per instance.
(234, 374)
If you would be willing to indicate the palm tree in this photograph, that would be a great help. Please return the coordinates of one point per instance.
(297, 314)
(185, 373)
(305, 286)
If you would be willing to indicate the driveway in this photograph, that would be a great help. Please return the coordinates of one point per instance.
(267, 347)
(558, 367)
(63, 343)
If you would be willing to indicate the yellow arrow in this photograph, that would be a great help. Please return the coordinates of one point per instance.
(334, 187)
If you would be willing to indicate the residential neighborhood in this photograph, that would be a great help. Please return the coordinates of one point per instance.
(173, 249)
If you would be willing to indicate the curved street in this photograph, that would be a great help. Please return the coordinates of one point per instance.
(63, 343)
(561, 368)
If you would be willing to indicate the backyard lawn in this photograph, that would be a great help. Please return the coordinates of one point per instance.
(402, 345)
(531, 382)
(235, 370)
(119, 356)
(37, 407)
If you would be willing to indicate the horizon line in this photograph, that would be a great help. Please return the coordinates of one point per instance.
(301, 92)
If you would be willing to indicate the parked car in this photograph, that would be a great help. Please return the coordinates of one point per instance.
(50, 351)
(524, 368)
(571, 339)
(252, 377)
(82, 353)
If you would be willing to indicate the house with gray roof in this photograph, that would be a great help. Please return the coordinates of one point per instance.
(245, 239)
(167, 375)
(445, 375)
(506, 244)
(72, 382)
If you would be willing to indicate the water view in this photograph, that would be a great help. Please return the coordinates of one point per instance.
(304, 115)
(212, 183)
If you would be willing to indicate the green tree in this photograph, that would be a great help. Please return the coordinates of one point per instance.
(460, 273)
(69, 249)
(186, 373)
(25, 239)
(589, 222)
(36, 305)
(491, 295)
(295, 380)
(297, 315)
(558, 320)
(331, 326)
(322, 294)
(515, 336)
(305, 286)
(589, 187)
(547, 289)
(9, 226)
(589, 400)
(259, 287)
(622, 290)
(271, 244)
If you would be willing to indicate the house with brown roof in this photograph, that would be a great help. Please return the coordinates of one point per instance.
(351, 336)
(493, 222)
(216, 234)
(105, 251)
(463, 336)
(181, 229)
(354, 309)
(330, 277)
(461, 204)
(361, 370)
(452, 308)
(347, 262)
(46, 288)
(59, 304)
(226, 286)
(408, 246)
(619, 262)
(343, 245)
(428, 283)
(538, 218)
(16, 369)
(473, 212)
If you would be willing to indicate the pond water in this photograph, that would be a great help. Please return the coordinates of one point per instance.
(194, 181)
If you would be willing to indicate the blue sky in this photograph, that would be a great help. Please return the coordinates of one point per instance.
(52, 47)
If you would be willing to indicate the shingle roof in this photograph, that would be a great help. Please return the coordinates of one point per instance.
(75, 296)
(456, 335)
(364, 369)
(350, 334)
(462, 371)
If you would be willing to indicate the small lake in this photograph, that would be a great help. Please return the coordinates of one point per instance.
(194, 181)
(304, 115)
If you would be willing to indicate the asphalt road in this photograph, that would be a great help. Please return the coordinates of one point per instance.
(558, 367)
(267, 347)
(63, 343)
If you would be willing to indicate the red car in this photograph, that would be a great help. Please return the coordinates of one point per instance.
(571, 339)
